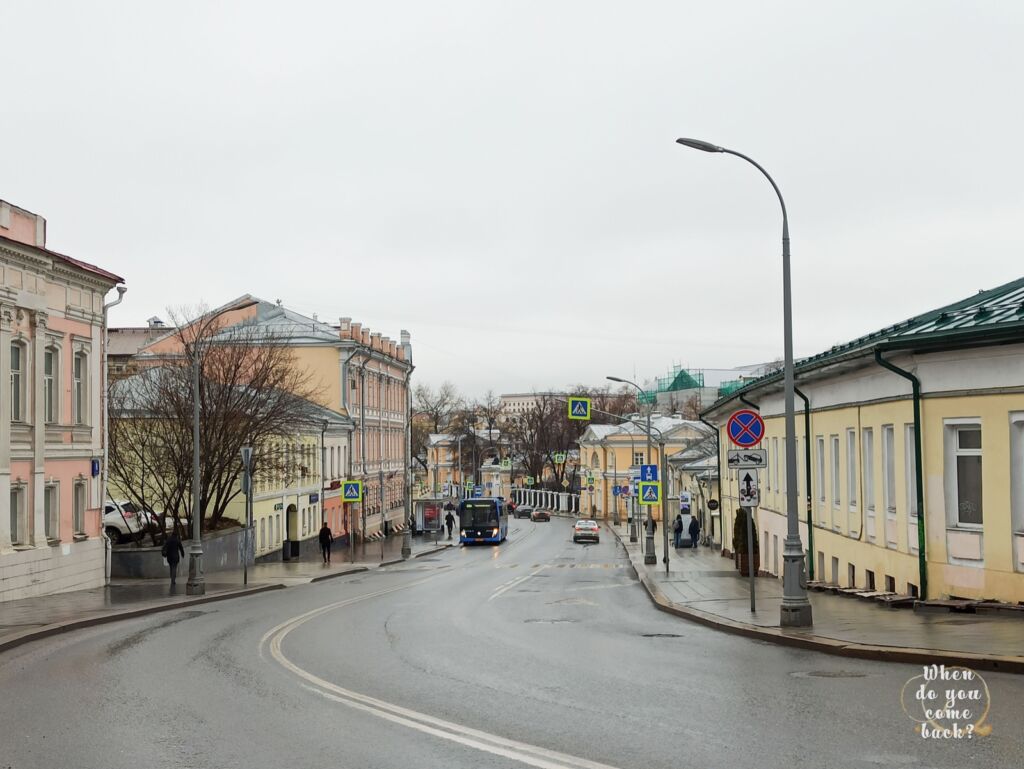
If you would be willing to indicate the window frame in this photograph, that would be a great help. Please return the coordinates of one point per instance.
(51, 516)
(51, 389)
(19, 520)
(957, 452)
(837, 499)
(852, 480)
(867, 455)
(19, 398)
(80, 388)
(889, 469)
(79, 505)
(910, 474)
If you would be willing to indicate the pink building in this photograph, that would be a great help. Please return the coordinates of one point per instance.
(52, 318)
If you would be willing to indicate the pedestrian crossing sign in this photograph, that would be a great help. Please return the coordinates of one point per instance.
(506, 464)
(352, 491)
(650, 492)
(559, 458)
(579, 408)
(529, 480)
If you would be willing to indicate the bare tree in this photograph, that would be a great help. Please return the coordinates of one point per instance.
(439, 406)
(251, 393)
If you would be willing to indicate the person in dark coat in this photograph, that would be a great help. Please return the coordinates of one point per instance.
(694, 531)
(677, 531)
(449, 521)
(326, 538)
(173, 552)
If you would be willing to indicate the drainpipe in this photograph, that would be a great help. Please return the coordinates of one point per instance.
(922, 565)
(807, 475)
(106, 434)
(718, 461)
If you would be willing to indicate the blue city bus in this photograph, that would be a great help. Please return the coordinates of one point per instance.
(483, 520)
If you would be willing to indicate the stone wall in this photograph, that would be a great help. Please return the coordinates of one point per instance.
(222, 551)
(54, 569)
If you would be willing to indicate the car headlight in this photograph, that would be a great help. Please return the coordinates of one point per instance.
(494, 532)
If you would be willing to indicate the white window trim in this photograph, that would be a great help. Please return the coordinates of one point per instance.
(852, 479)
(889, 479)
(819, 450)
(21, 527)
(951, 451)
(54, 534)
(24, 366)
(910, 474)
(837, 469)
(1017, 478)
(867, 458)
(79, 483)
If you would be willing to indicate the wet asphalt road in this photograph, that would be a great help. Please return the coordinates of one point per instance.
(538, 653)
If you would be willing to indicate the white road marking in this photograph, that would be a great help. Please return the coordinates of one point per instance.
(523, 752)
(517, 581)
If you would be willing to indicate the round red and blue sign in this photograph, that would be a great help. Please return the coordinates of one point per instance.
(745, 428)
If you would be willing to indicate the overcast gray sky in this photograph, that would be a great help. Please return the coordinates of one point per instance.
(501, 178)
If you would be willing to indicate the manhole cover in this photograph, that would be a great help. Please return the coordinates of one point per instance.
(827, 674)
(660, 635)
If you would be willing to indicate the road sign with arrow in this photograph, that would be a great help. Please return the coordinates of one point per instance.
(750, 495)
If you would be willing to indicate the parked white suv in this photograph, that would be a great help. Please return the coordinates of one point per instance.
(120, 523)
(123, 521)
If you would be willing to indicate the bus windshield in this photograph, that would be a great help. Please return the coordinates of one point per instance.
(478, 513)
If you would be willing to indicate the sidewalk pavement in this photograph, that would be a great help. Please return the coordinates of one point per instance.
(704, 587)
(30, 619)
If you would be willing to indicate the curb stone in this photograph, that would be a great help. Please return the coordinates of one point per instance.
(354, 570)
(65, 627)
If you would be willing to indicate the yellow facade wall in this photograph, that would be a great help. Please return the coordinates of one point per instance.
(843, 532)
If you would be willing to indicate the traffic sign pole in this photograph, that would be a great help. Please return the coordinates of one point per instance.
(751, 566)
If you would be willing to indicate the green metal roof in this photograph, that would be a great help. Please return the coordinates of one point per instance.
(988, 317)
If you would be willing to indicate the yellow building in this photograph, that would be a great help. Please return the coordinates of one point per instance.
(925, 416)
(355, 372)
(610, 453)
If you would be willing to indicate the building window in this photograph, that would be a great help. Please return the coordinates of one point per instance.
(821, 477)
(51, 512)
(263, 533)
(775, 462)
(911, 469)
(889, 468)
(867, 448)
(18, 532)
(836, 478)
(49, 385)
(17, 383)
(79, 373)
(78, 508)
(638, 457)
(967, 476)
(851, 468)
(1017, 471)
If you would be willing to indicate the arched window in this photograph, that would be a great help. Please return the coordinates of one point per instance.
(594, 461)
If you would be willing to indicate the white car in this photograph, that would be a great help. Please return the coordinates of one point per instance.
(123, 521)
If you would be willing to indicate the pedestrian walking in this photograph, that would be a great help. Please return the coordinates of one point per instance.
(326, 538)
(449, 521)
(694, 531)
(173, 552)
(677, 531)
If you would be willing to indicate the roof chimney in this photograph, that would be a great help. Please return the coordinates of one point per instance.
(356, 331)
(344, 325)
(406, 345)
(375, 340)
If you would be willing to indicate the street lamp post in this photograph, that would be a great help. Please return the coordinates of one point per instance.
(795, 610)
(649, 556)
(196, 584)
